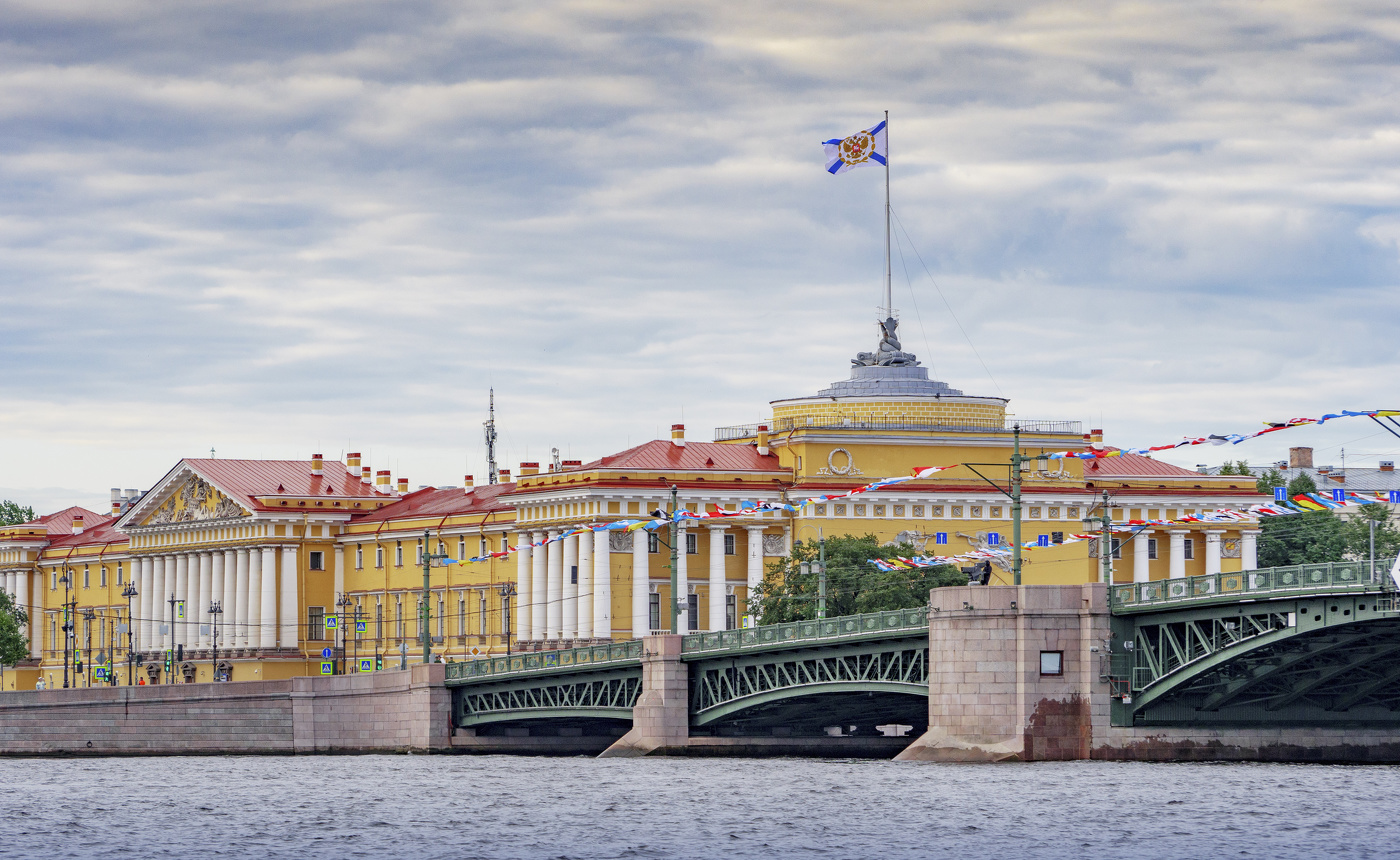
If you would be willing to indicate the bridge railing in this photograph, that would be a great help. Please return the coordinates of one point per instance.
(1268, 582)
(490, 667)
(844, 627)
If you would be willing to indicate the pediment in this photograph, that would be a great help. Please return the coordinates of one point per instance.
(195, 500)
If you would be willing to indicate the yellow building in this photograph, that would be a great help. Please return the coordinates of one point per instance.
(258, 569)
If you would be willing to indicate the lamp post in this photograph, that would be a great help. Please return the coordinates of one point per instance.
(675, 561)
(130, 592)
(425, 613)
(819, 568)
(1105, 524)
(216, 608)
(67, 580)
(342, 605)
(507, 590)
(89, 616)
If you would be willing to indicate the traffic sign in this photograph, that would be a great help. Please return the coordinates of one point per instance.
(326, 653)
(366, 665)
(1339, 495)
(1280, 494)
(361, 626)
(327, 668)
(332, 622)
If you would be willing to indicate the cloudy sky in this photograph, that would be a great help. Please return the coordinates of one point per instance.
(278, 228)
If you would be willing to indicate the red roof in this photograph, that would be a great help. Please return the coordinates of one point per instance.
(1134, 466)
(662, 455)
(103, 532)
(248, 478)
(434, 502)
(61, 522)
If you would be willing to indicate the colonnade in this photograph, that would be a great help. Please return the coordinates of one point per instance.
(1176, 558)
(17, 585)
(564, 588)
(259, 608)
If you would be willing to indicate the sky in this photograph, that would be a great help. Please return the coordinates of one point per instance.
(275, 229)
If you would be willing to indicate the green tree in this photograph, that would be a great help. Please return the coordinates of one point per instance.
(12, 513)
(1301, 484)
(1356, 533)
(1268, 481)
(1308, 538)
(853, 584)
(1242, 468)
(14, 646)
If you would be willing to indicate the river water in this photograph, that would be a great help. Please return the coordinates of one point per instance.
(507, 807)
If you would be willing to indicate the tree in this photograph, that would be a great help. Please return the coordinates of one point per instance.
(12, 513)
(14, 646)
(1356, 533)
(1235, 468)
(853, 584)
(1308, 538)
(1268, 481)
(1301, 484)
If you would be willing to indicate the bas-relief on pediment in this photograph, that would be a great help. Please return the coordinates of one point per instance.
(195, 502)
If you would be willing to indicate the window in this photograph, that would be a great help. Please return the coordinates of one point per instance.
(358, 616)
(481, 612)
(956, 511)
(573, 574)
(918, 510)
(53, 631)
(653, 542)
(442, 616)
(379, 556)
(398, 617)
(1117, 548)
(418, 553)
(505, 614)
(1072, 513)
(1052, 662)
(655, 607)
(102, 576)
(119, 573)
(692, 543)
(505, 543)
(359, 557)
(53, 581)
(1035, 513)
(692, 612)
(731, 610)
(87, 578)
(462, 614)
(378, 620)
(1054, 513)
(485, 548)
(315, 623)
(1152, 548)
(729, 544)
(1190, 548)
(317, 560)
(398, 554)
(442, 549)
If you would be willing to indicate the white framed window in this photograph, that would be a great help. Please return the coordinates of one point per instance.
(1152, 548)
(729, 544)
(86, 577)
(653, 543)
(359, 557)
(379, 556)
(102, 576)
(481, 612)
(398, 554)
(1052, 662)
(692, 544)
(462, 614)
(1189, 546)
(316, 560)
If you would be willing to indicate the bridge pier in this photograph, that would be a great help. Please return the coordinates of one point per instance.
(661, 717)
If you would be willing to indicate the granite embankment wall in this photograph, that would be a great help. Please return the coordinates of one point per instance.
(389, 711)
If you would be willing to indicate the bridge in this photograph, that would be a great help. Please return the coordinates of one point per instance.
(1311, 645)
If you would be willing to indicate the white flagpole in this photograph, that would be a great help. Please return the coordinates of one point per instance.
(889, 297)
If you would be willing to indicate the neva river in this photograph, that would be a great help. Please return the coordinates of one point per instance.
(495, 807)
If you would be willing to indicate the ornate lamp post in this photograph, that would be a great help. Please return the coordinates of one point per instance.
(130, 592)
(216, 608)
(342, 606)
(67, 580)
(507, 590)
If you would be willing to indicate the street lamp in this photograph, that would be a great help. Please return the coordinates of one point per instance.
(67, 581)
(130, 592)
(89, 616)
(507, 590)
(216, 608)
(425, 613)
(819, 568)
(1105, 524)
(342, 605)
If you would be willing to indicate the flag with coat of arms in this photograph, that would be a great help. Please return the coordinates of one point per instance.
(859, 149)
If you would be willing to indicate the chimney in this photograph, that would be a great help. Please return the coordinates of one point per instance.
(678, 435)
(763, 440)
(365, 476)
(572, 464)
(503, 476)
(1387, 465)
(116, 501)
(529, 469)
(317, 464)
(551, 467)
(1203, 468)
(403, 486)
(381, 482)
(1300, 458)
(1096, 440)
(469, 483)
(132, 496)
(352, 463)
(78, 525)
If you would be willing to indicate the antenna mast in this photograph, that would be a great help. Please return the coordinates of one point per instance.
(889, 293)
(490, 433)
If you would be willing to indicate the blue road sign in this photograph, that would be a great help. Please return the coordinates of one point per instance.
(361, 626)
(1280, 494)
(1395, 497)
(327, 668)
(326, 653)
(366, 665)
(1339, 495)
(993, 539)
(940, 538)
(1042, 540)
(332, 622)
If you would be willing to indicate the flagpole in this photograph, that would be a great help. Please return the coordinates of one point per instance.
(889, 298)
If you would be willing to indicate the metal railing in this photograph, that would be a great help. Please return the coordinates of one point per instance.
(1340, 576)
(783, 425)
(492, 667)
(845, 627)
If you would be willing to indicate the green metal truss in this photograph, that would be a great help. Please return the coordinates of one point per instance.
(608, 694)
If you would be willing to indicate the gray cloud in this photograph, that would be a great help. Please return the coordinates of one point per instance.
(272, 227)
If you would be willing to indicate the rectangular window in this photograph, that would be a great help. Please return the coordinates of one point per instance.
(442, 617)
(379, 556)
(481, 612)
(53, 581)
(731, 610)
(655, 611)
(505, 614)
(1117, 548)
(692, 612)
(505, 543)
(1054, 513)
(996, 512)
(119, 573)
(378, 620)
(398, 617)
(485, 547)
(1035, 513)
(315, 623)
(1190, 548)
(359, 557)
(975, 511)
(1072, 513)
(653, 542)
(729, 544)
(317, 560)
(938, 510)
(418, 554)
(1152, 548)
(53, 631)
(87, 579)
(359, 613)
(573, 574)
(102, 576)
(956, 511)
(398, 554)
(1052, 662)
(462, 614)
(692, 543)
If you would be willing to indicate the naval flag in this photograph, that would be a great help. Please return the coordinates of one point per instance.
(860, 148)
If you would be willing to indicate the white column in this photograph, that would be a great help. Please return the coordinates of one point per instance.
(21, 586)
(522, 587)
(182, 589)
(1249, 549)
(216, 592)
(28, 599)
(1213, 550)
(160, 592)
(554, 593)
(1140, 559)
(539, 586)
(228, 632)
(716, 578)
(199, 599)
(146, 586)
(585, 586)
(339, 573)
(641, 586)
(755, 543)
(569, 583)
(602, 585)
(267, 609)
(290, 614)
(240, 599)
(682, 584)
(1178, 557)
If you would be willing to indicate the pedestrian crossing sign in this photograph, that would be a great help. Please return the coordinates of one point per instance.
(366, 665)
(99, 672)
(327, 668)
(361, 626)
(332, 622)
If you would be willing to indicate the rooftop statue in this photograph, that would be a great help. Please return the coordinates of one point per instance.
(889, 353)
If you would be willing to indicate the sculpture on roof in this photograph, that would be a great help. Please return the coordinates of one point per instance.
(889, 353)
